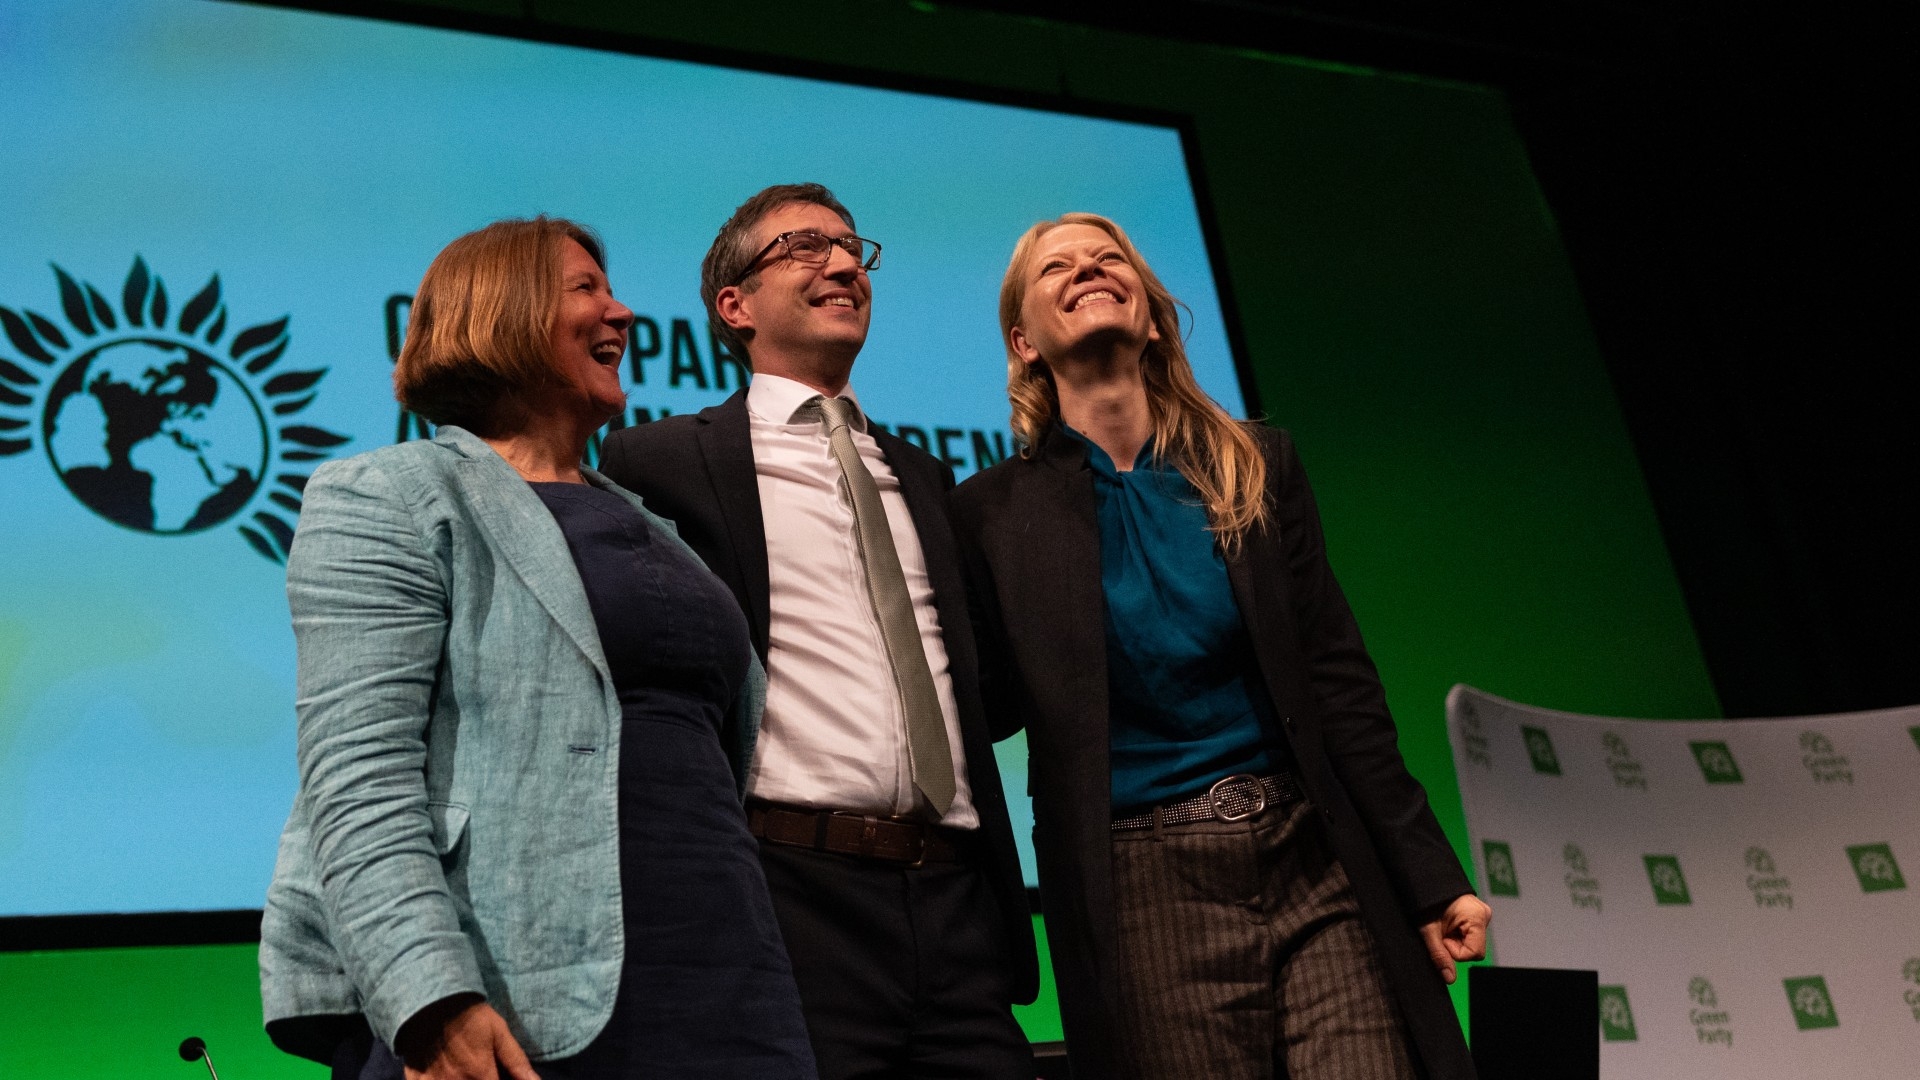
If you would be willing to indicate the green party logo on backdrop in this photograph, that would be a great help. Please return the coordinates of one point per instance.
(1825, 764)
(1873, 864)
(1616, 1016)
(1910, 972)
(157, 421)
(1716, 762)
(1669, 884)
(1540, 750)
(1711, 1024)
(1771, 889)
(1627, 772)
(1502, 878)
(1473, 737)
(1583, 888)
(1812, 1004)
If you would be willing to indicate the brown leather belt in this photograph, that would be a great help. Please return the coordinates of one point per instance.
(843, 832)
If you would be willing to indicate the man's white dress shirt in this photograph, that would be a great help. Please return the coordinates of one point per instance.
(833, 736)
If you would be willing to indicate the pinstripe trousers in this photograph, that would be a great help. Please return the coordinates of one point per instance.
(1242, 956)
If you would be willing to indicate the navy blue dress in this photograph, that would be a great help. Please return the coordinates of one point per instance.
(705, 989)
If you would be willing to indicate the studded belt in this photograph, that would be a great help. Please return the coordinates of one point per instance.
(1234, 798)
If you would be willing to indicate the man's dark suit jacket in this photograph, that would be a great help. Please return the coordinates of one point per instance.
(698, 472)
(1031, 540)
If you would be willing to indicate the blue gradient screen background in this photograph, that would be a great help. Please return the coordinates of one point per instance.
(316, 164)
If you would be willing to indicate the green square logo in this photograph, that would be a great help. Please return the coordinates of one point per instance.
(1502, 879)
(1540, 750)
(1669, 884)
(1812, 1005)
(1873, 864)
(1616, 1016)
(1716, 762)
(1915, 732)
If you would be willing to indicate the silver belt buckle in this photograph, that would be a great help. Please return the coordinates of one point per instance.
(1218, 797)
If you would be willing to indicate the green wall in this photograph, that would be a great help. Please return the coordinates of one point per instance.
(1408, 312)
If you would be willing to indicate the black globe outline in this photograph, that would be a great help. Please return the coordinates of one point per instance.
(58, 391)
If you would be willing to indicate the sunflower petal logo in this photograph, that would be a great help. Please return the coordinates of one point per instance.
(1716, 762)
(1873, 864)
(1669, 884)
(1540, 750)
(1502, 879)
(1701, 991)
(157, 420)
(1812, 1004)
(1616, 1015)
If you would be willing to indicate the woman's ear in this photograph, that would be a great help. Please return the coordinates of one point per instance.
(1022, 348)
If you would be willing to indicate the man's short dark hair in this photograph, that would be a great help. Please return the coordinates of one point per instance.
(733, 248)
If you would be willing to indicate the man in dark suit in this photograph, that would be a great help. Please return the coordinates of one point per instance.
(872, 784)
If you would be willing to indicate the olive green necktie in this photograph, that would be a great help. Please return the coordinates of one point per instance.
(931, 755)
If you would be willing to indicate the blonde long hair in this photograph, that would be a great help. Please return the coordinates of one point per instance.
(1211, 449)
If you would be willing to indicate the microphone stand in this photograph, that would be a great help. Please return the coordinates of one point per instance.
(194, 1048)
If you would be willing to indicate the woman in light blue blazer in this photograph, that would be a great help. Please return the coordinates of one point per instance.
(524, 709)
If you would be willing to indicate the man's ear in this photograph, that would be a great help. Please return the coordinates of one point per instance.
(731, 305)
(1022, 348)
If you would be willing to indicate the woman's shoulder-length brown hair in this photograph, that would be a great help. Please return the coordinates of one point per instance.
(479, 334)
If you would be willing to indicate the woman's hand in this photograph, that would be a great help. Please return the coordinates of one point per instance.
(462, 1039)
(1460, 933)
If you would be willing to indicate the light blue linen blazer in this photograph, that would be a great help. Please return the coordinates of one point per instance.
(455, 828)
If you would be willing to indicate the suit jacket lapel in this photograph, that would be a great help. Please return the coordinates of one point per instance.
(524, 533)
(726, 445)
(927, 505)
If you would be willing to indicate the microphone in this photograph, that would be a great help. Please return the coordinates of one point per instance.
(194, 1048)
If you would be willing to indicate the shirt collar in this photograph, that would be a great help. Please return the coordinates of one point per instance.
(775, 399)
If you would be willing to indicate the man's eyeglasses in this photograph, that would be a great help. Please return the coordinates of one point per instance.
(814, 249)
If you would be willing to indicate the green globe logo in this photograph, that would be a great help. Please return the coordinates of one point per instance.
(148, 425)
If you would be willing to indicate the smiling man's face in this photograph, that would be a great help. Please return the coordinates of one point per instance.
(805, 322)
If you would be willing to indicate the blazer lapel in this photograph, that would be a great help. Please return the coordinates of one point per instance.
(1060, 538)
(726, 445)
(1256, 550)
(519, 527)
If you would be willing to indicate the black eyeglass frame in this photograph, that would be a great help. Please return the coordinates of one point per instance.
(869, 264)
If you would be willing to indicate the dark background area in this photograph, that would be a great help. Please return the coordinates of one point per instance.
(1730, 185)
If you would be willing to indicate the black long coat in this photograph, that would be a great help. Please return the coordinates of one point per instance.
(697, 471)
(1028, 532)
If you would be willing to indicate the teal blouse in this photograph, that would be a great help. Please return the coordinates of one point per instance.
(1184, 713)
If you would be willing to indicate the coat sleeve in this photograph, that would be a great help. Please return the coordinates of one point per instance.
(995, 655)
(1358, 732)
(370, 611)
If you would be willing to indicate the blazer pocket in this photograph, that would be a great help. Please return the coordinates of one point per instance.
(449, 825)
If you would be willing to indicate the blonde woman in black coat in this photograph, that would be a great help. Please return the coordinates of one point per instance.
(1240, 877)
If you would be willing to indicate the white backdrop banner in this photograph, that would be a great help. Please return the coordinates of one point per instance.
(1741, 886)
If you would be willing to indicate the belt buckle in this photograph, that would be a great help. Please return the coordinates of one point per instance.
(870, 836)
(1217, 797)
